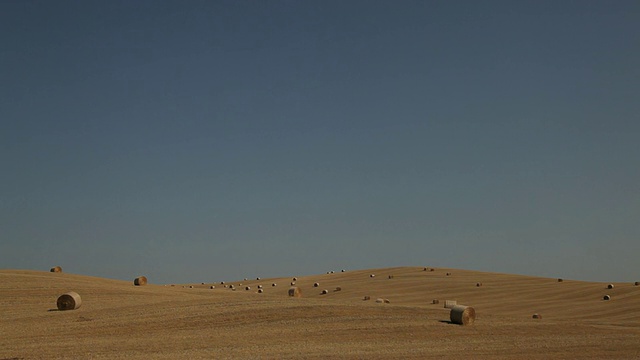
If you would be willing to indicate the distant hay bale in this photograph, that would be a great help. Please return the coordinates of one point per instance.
(201, 283)
(338, 288)
(435, 301)
(221, 282)
(390, 276)
(245, 279)
(232, 287)
(295, 291)
(560, 280)
(372, 275)
(478, 284)
(294, 279)
(140, 280)
(225, 286)
(248, 288)
(432, 269)
(316, 284)
(366, 297)
(448, 304)
(324, 292)
(636, 283)
(332, 271)
(56, 269)
(462, 315)
(383, 301)
(212, 287)
(190, 286)
(274, 284)
(292, 283)
(448, 274)
(257, 278)
(259, 286)
(260, 291)
(69, 301)
(343, 270)
(425, 269)
(606, 297)
(386, 301)
(536, 316)
(610, 286)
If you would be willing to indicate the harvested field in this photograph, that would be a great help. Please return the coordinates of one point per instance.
(176, 322)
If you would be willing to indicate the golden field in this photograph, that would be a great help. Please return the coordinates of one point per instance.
(118, 320)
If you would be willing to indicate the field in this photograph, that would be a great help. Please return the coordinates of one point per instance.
(193, 321)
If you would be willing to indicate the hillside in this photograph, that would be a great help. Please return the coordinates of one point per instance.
(120, 320)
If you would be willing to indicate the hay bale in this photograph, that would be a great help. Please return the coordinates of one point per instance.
(258, 278)
(259, 286)
(338, 288)
(390, 276)
(294, 279)
(295, 291)
(432, 269)
(462, 315)
(435, 301)
(379, 300)
(366, 297)
(245, 279)
(324, 292)
(292, 283)
(69, 301)
(448, 304)
(636, 283)
(190, 286)
(343, 270)
(221, 282)
(606, 297)
(212, 287)
(232, 287)
(560, 280)
(448, 274)
(56, 269)
(274, 284)
(425, 269)
(478, 284)
(140, 280)
(536, 316)
(610, 286)
(248, 288)
(260, 291)
(316, 284)
(332, 271)
(372, 275)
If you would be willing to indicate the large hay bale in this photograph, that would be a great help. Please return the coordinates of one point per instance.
(478, 284)
(212, 287)
(259, 286)
(390, 276)
(56, 269)
(248, 288)
(435, 301)
(295, 291)
(448, 304)
(366, 297)
(537, 316)
(372, 275)
(140, 280)
(462, 315)
(294, 279)
(292, 283)
(316, 284)
(610, 286)
(343, 270)
(560, 280)
(69, 301)
(260, 291)
(636, 283)
(324, 292)
(274, 284)
(606, 297)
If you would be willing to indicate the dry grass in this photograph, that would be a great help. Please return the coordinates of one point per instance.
(180, 323)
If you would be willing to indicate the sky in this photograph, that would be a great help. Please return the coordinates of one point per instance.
(194, 141)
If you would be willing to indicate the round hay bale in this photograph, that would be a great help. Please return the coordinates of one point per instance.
(294, 279)
(221, 282)
(636, 283)
(248, 288)
(260, 291)
(332, 271)
(258, 278)
(316, 284)
(379, 300)
(324, 292)
(366, 297)
(201, 283)
(190, 286)
(390, 276)
(560, 280)
(536, 316)
(372, 275)
(295, 291)
(462, 315)
(259, 286)
(338, 288)
(212, 287)
(140, 280)
(432, 269)
(478, 284)
(435, 301)
(386, 301)
(232, 287)
(448, 274)
(69, 301)
(56, 269)
(425, 269)
(274, 284)
(292, 283)
(343, 270)
(606, 297)
(610, 286)
(245, 279)
(448, 304)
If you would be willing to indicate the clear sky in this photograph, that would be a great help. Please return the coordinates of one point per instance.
(198, 141)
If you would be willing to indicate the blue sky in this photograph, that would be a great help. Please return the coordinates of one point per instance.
(202, 141)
